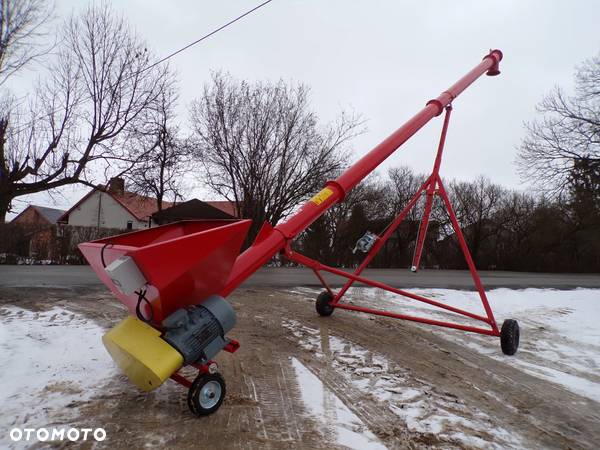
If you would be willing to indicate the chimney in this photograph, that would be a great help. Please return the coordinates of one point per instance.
(116, 186)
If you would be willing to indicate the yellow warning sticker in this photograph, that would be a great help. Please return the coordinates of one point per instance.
(321, 196)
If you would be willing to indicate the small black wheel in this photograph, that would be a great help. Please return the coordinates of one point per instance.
(206, 394)
(509, 337)
(323, 304)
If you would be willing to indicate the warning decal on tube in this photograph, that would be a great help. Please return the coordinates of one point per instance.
(321, 196)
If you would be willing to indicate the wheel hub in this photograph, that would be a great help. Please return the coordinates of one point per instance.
(210, 394)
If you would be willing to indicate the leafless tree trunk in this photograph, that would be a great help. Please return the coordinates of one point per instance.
(569, 132)
(78, 118)
(404, 185)
(262, 148)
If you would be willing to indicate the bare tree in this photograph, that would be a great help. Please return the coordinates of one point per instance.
(78, 118)
(404, 185)
(567, 135)
(22, 24)
(476, 205)
(165, 157)
(262, 147)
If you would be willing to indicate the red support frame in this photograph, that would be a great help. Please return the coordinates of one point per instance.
(432, 187)
(231, 347)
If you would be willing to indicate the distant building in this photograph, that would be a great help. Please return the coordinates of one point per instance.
(39, 215)
(112, 207)
(41, 233)
(225, 205)
(37, 231)
(193, 210)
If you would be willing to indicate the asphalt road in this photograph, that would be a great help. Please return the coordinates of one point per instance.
(72, 276)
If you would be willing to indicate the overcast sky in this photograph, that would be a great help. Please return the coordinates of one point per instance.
(384, 60)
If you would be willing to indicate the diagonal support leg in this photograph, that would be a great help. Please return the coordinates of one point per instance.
(431, 189)
(423, 227)
(467, 254)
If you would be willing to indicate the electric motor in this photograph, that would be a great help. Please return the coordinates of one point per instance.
(198, 332)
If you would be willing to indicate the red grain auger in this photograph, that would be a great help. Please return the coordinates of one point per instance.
(174, 279)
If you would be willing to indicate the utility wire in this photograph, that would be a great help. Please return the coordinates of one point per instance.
(197, 41)
(206, 36)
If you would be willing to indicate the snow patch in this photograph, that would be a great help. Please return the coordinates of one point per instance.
(560, 336)
(52, 363)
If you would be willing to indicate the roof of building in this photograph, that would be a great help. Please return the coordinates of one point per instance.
(139, 206)
(192, 209)
(224, 205)
(51, 215)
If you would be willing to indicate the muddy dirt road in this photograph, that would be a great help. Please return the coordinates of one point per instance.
(302, 381)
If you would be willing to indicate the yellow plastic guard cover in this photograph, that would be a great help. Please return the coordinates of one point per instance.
(142, 355)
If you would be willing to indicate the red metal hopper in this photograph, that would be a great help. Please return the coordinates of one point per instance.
(184, 262)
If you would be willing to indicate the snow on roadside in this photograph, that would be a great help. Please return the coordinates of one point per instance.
(51, 362)
(560, 336)
(328, 409)
(420, 405)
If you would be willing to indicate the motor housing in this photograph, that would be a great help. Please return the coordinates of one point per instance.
(198, 332)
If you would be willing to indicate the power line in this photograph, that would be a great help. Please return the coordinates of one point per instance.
(197, 41)
(206, 36)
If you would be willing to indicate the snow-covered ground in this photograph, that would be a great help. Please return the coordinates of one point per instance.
(560, 330)
(51, 362)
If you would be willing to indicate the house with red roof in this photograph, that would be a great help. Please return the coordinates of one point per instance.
(113, 207)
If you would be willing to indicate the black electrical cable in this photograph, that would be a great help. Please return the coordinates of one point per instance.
(102, 253)
(138, 308)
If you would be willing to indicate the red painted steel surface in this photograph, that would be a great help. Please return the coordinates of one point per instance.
(467, 254)
(316, 266)
(183, 262)
(232, 346)
(430, 192)
(180, 379)
(274, 240)
(202, 369)
(425, 320)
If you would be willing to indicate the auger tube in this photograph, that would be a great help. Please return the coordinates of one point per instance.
(273, 239)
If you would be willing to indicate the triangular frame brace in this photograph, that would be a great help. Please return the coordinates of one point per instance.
(432, 187)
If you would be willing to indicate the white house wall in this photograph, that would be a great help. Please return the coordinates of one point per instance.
(101, 210)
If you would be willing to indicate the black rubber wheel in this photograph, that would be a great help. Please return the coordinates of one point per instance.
(509, 337)
(206, 394)
(322, 304)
